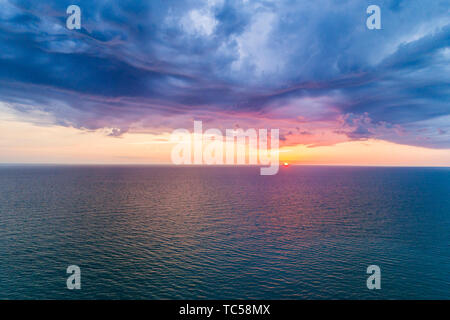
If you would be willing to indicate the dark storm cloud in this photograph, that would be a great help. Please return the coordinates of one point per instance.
(148, 62)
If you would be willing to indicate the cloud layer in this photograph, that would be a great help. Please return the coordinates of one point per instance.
(310, 68)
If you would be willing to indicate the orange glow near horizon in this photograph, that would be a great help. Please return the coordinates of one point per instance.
(23, 142)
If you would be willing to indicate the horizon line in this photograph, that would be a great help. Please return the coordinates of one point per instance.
(217, 165)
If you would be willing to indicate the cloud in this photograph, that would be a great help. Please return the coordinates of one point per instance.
(156, 65)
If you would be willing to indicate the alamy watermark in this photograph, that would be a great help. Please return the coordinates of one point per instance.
(374, 20)
(374, 280)
(74, 280)
(237, 146)
(74, 19)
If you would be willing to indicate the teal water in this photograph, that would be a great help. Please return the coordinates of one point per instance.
(224, 233)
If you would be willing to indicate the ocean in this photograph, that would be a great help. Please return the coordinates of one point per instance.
(164, 232)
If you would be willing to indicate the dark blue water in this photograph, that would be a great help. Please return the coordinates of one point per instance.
(174, 232)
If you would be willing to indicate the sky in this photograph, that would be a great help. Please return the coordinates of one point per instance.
(113, 91)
